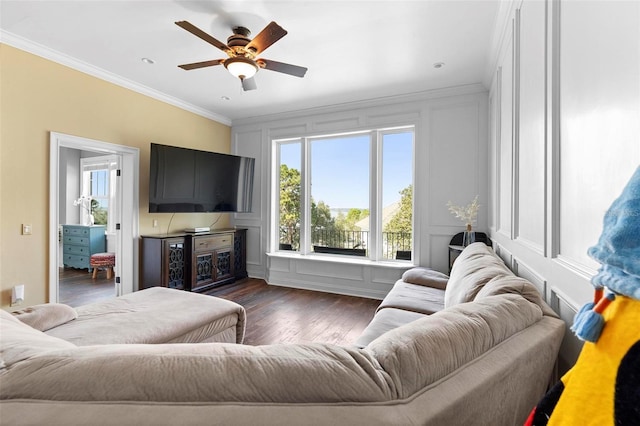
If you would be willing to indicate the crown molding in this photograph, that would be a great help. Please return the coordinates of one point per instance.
(37, 49)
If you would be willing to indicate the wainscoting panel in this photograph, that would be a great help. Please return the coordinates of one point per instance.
(247, 144)
(288, 131)
(456, 127)
(505, 142)
(254, 254)
(599, 110)
(504, 254)
(494, 134)
(439, 258)
(393, 119)
(571, 345)
(386, 276)
(529, 169)
(524, 271)
(330, 269)
(279, 264)
(340, 122)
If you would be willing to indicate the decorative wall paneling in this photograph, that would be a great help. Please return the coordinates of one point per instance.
(450, 164)
(571, 346)
(567, 144)
(243, 144)
(504, 143)
(523, 270)
(529, 126)
(599, 125)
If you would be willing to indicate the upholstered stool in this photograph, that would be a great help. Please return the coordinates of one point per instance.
(103, 260)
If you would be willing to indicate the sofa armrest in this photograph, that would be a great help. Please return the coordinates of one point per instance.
(426, 277)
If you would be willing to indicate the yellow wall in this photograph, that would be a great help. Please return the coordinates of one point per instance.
(38, 96)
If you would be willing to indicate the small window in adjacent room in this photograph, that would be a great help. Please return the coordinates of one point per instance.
(98, 178)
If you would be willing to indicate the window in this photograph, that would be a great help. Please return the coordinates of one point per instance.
(98, 178)
(349, 194)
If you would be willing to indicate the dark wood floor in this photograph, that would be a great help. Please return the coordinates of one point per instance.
(77, 288)
(288, 315)
(274, 314)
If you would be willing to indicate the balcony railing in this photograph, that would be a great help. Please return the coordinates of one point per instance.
(395, 245)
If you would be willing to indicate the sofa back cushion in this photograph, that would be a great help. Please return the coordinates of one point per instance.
(505, 284)
(201, 373)
(426, 350)
(20, 342)
(476, 265)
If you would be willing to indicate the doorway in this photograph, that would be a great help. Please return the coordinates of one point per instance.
(123, 212)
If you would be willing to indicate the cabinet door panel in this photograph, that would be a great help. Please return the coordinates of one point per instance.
(224, 264)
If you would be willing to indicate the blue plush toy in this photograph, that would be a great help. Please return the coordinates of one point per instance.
(603, 388)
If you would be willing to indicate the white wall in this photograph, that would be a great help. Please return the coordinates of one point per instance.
(564, 138)
(450, 164)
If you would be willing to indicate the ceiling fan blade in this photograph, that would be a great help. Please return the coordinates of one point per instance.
(204, 36)
(282, 67)
(269, 35)
(196, 65)
(249, 84)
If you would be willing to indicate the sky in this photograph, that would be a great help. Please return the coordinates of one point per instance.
(340, 168)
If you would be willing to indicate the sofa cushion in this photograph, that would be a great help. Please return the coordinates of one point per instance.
(511, 284)
(474, 267)
(449, 339)
(425, 276)
(412, 297)
(383, 321)
(20, 342)
(46, 316)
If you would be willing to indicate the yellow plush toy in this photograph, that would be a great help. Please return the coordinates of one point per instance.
(603, 388)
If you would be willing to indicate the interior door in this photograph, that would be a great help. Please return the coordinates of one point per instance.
(125, 215)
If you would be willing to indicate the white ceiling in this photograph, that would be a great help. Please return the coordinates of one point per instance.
(354, 50)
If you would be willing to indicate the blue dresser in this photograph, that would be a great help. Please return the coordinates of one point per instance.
(79, 242)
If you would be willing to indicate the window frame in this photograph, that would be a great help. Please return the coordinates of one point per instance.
(376, 138)
(109, 163)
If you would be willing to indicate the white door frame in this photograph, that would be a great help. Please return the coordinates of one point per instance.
(128, 200)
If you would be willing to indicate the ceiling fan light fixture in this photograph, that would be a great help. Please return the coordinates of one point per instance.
(241, 67)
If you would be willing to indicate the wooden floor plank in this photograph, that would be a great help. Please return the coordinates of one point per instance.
(286, 315)
(77, 288)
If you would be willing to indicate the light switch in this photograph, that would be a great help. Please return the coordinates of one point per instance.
(26, 229)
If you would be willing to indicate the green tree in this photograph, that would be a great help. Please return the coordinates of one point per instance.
(290, 206)
(321, 216)
(323, 226)
(402, 219)
(99, 213)
(399, 228)
(348, 222)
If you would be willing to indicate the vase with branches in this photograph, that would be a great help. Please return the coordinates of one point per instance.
(468, 214)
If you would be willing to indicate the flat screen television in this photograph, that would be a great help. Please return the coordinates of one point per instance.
(183, 180)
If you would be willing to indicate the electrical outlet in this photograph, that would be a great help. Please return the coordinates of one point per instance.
(155, 223)
(17, 295)
(26, 229)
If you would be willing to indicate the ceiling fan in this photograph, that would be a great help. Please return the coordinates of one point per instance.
(242, 52)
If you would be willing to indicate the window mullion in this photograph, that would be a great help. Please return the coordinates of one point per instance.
(305, 198)
(375, 216)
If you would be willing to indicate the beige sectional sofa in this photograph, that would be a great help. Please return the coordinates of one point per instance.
(484, 358)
